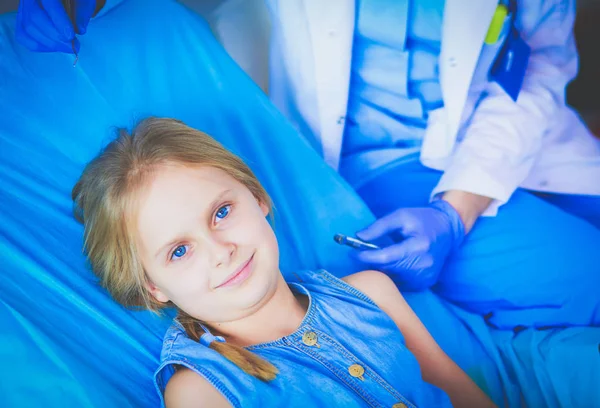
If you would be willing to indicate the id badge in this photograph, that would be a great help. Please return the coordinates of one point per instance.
(508, 70)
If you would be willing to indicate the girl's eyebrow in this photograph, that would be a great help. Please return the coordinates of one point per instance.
(218, 199)
(173, 241)
(167, 245)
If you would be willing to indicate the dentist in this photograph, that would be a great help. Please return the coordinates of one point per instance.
(440, 112)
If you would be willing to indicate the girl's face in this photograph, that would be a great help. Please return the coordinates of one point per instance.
(205, 244)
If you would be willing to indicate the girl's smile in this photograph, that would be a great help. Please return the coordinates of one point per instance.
(239, 275)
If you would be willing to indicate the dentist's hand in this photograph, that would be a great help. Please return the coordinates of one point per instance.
(429, 234)
(44, 25)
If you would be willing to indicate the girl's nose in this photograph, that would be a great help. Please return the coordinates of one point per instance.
(222, 252)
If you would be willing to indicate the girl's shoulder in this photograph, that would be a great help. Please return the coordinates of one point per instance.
(184, 358)
(357, 285)
(186, 385)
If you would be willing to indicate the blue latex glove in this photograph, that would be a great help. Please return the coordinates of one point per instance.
(429, 235)
(44, 25)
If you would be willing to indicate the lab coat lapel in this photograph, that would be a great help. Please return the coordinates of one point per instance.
(463, 32)
(331, 26)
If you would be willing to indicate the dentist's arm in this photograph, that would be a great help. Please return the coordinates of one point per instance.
(469, 206)
(496, 155)
(504, 137)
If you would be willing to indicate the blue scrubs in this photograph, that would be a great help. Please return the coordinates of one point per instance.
(583, 206)
(534, 264)
(394, 81)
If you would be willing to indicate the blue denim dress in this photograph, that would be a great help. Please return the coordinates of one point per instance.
(347, 352)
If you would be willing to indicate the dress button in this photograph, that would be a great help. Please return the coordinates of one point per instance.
(341, 120)
(309, 338)
(399, 405)
(356, 371)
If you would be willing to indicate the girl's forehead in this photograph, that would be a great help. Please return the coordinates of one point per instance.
(178, 189)
(171, 172)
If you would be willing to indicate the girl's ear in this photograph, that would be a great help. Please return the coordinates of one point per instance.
(156, 292)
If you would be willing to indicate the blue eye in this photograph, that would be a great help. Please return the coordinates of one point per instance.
(179, 252)
(223, 212)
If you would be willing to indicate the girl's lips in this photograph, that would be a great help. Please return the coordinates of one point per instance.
(239, 275)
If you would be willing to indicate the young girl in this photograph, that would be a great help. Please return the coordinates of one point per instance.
(172, 219)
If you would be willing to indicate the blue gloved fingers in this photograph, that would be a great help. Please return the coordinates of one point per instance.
(393, 222)
(36, 31)
(428, 235)
(83, 14)
(405, 253)
(57, 14)
(34, 40)
(46, 35)
(410, 263)
(32, 44)
(45, 26)
(21, 28)
(24, 39)
(84, 10)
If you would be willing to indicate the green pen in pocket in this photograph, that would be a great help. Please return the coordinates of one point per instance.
(496, 25)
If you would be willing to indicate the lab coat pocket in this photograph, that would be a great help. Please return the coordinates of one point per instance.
(487, 57)
(481, 77)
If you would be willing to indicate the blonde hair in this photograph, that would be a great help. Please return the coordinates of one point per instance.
(104, 197)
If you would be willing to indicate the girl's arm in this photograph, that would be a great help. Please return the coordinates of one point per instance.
(437, 368)
(187, 389)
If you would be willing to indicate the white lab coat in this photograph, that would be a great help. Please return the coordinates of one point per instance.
(485, 143)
